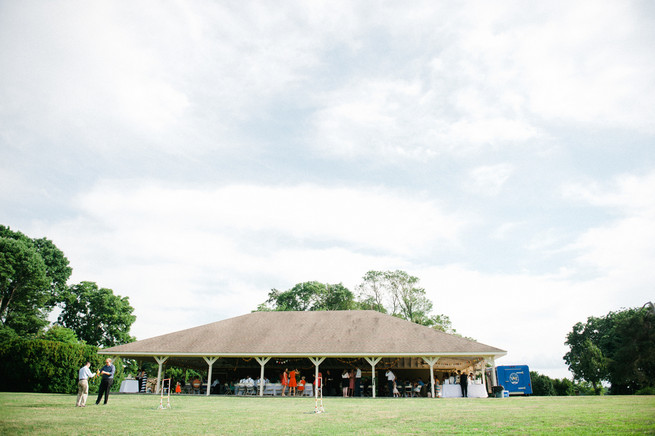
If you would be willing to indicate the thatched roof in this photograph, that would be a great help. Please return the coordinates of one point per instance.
(352, 333)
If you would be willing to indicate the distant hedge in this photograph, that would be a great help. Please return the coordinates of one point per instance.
(38, 365)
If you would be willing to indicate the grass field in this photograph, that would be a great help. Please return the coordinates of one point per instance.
(26, 413)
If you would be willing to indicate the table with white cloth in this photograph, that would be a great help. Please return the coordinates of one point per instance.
(451, 391)
(272, 389)
(474, 390)
(129, 386)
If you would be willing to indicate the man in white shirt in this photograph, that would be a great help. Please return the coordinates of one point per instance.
(390, 379)
(83, 384)
(358, 382)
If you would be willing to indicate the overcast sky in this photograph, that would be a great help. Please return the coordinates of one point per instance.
(193, 155)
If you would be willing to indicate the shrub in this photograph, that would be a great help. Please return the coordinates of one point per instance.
(39, 365)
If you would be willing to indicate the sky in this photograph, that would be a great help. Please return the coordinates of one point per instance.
(194, 155)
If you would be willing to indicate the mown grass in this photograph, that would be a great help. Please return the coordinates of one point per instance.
(27, 413)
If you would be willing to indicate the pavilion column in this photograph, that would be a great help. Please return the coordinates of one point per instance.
(160, 360)
(431, 361)
(210, 362)
(316, 361)
(373, 361)
(494, 380)
(262, 361)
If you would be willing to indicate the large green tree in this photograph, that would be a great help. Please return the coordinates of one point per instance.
(96, 315)
(310, 296)
(398, 293)
(618, 347)
(33, 274)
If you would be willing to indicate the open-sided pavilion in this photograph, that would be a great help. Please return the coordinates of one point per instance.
(377, 338)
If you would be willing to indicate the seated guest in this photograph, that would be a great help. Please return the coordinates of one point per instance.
(301, 386)
(215, 387)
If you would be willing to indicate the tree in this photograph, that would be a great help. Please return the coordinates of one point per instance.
(33, 273)
(310, 296)
(586, 361)
(619, 348)
(372, 291)
(397, 293)
(96, 315)
(632, 362)
(58, 333)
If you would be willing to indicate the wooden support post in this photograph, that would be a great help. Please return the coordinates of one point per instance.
(373, 361)
(210, 361)
(160, 360)
(316, 361)
(431, 361)
(262, 361)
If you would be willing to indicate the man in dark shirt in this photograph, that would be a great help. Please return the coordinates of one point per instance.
(463, 382)
(107, 372)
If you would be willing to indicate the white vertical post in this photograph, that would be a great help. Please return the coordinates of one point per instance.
(210, 361)
(373, 361)
(262, 361)
(316, 361)
(431, 361)
(494, 380)
(160, 360)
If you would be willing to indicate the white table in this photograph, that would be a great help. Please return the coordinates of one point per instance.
(451, 391)
(129, 386)
(455, 391)
(477, 391)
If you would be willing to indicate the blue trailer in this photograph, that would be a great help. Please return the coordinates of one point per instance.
(515, 379)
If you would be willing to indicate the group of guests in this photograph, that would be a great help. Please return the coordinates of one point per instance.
(351, 382)
(289, 379)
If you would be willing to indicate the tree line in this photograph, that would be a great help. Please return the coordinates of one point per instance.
(33, 281)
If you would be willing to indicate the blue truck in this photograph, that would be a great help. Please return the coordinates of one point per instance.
(515, 379)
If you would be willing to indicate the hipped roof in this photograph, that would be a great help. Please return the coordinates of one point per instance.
(345, 333)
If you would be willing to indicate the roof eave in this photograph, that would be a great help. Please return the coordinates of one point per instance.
(494, 354)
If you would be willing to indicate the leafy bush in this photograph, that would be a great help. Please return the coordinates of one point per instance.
(39, 365)
(646, 391)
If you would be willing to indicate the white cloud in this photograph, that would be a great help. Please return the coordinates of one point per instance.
(621, 249)
(184, 250)
(489, 179)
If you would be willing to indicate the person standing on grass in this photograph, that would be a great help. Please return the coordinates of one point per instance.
(83, 384)
(107, 372)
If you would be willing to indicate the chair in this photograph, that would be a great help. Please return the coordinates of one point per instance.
(250, 389)
(409, 392)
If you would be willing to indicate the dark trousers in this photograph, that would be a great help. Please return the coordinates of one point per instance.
(390, 382)
(105, 386)
(358, 387)
(464, 390)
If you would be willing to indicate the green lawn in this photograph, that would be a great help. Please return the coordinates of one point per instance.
(25, 413)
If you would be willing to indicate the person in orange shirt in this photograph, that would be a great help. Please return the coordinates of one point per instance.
(285, 381)
(178, 388)
(292, 382)
(301, 386)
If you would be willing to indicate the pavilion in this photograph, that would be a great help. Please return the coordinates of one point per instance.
(377, 338)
